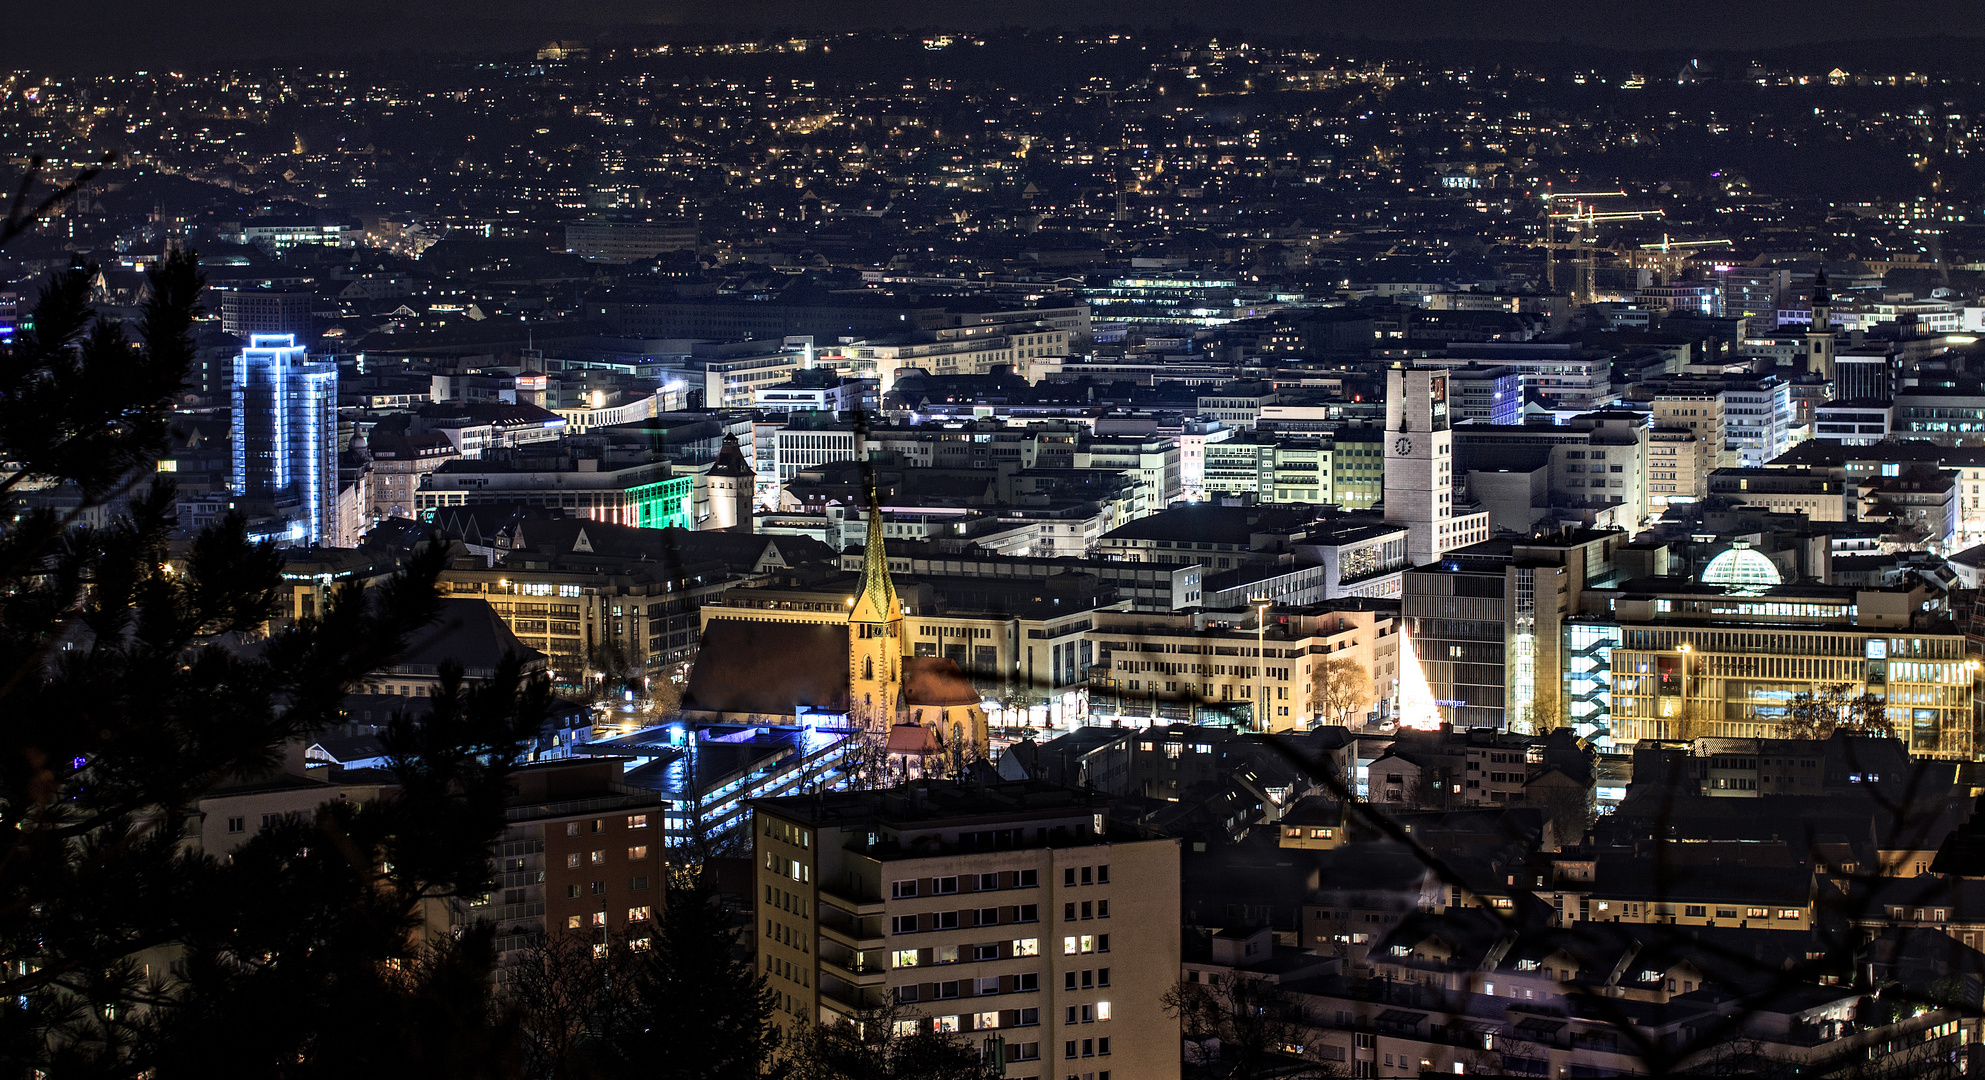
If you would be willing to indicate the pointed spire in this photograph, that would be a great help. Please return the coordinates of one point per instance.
(878, 595)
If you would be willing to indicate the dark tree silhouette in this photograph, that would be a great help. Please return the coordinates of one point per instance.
(129, 689)
(875, 1044)
(704, 1010)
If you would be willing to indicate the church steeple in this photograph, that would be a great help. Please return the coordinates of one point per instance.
(1819, 335)
(878, 596)
(875, 633)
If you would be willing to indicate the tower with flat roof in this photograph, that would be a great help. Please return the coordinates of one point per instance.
(286, 440)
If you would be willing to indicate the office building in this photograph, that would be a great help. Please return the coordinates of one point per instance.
(1592, 471)
(286, 441)
(1490, 395)
(1677, 468)
(625, 241)
(1751, 293)
(1487, 625)
(277, 233)
(1853, 421)
(574, 586)
(1722, 657)
(1015, 912)
(246, 312)
(647, 495)
(1814, 493)
(1755, 410)
(1684, 297)
(1562, 377)
(1202, 669)
(1237, 405)
(1866, 373)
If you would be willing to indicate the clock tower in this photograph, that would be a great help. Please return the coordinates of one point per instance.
(1419, 461)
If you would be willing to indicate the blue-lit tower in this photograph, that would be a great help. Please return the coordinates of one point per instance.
(286, 439)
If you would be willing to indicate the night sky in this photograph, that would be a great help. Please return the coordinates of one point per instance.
(45, 35)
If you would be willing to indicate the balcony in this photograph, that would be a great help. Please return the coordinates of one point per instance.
(859, 978)
(849, 904)
(845, 1000)
(851, 932)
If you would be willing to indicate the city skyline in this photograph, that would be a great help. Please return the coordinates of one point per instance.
(912, 543)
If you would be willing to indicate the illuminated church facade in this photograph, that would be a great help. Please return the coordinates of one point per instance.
(795, 667)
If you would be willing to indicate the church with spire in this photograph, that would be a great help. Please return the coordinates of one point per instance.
(828, 659)
(875, 633)
(1819, 334)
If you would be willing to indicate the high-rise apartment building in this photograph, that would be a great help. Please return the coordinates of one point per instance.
(581, 853)
(1015, 915)
(286, 439)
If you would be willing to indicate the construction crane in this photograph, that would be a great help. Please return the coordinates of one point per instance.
(1584, 219)
(1668, 256)
(1550, 244)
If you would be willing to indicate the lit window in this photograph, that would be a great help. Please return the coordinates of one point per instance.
(1027, 946)
(638, 914)
(638, 851)
(1102, 1010)
(599, 857)
(903, 958)
(637, 821)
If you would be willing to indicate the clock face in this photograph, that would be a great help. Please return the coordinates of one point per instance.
(1403, 446)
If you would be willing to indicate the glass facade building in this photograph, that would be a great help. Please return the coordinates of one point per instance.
(286, 438)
